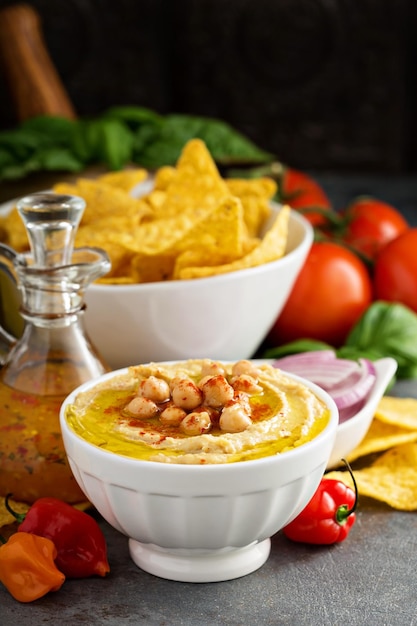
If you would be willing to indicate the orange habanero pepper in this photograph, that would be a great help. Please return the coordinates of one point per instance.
(27, 567)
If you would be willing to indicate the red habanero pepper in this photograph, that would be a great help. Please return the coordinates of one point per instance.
(328, 517)
(80, 543)
(27, 567)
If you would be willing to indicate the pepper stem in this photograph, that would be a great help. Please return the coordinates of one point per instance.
(18, 516)
(343, 512)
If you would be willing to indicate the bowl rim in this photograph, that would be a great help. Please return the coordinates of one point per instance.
(329, 430)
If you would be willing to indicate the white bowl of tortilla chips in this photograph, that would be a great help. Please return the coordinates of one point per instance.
(201, 265)
(199, 506)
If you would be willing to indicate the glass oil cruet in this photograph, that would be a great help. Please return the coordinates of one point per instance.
(53, 354)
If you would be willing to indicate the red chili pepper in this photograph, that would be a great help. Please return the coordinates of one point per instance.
(329, 515)
(79, 540)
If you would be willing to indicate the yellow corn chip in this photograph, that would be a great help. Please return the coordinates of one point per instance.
(381, 437)
(256, 195)
(125, 179)
(153, 267)
(399, 411)
(13, 231)
(104, 201)
(270, 248)
(392, 478)
(164, 176)
(197, 185)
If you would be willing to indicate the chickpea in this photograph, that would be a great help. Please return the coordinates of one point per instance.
(172, 415)
(196, 423)
(234, 418)
(246, 383)
(186, 394)
(245, 367)
(154, 388)
(142, 407)
(212, 368)
(217, 391)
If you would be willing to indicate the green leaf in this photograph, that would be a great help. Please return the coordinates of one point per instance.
(6, 158)
(85, 140)
(20, 142)
(388, 329)
(229, 147)
(296, 347)
(226, 145)
(14, 171)
(135, 116)
(115, 143)
(142, 139)
(51, 128)
(59, 159)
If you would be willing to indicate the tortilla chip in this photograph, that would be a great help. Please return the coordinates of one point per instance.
(256, 195)
(381, 437)
(154, 267)
(164, 177)
(270, 248)
(13, 231)
(398, 411)
(125, 179)
(392, 478)
(197, 185)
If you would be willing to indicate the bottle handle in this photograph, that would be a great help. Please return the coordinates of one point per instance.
(11, 322)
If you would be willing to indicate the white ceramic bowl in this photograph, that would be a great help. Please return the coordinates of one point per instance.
(351, 432)
(221, 317)
(199, 523)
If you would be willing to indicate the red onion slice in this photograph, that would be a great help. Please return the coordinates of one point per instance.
(347, 382)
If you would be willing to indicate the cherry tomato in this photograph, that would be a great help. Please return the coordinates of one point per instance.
(331, 292)
(301, 191)
(395, 272)
(371, 224)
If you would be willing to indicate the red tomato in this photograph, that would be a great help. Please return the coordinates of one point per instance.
(300, 190)
(395, 272)
(372, 224)
(331, 292)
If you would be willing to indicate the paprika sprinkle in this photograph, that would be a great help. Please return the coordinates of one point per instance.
(27, 567)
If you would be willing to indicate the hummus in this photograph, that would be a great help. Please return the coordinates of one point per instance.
(198, 412)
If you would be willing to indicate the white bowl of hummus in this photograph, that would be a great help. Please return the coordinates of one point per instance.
(199, 462)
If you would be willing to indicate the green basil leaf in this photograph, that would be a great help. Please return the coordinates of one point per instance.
(296, 347)
(135, 116)
(20, 142)
(15, 171)
(143, 137)
(59, 159)
(50, 129)
(6, 158)
(85, 140)
(115, 143)
(226, 145)
(389, 329)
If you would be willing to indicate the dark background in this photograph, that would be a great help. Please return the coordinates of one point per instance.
(326, 85)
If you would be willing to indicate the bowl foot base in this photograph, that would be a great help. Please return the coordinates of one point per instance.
(196, 566)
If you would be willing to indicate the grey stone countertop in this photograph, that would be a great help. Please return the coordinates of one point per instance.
(368, 580)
